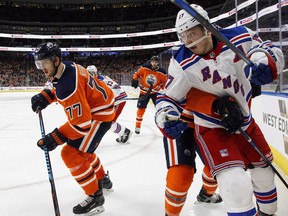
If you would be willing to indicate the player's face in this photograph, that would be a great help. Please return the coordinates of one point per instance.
(47, 66)
(154, 64)
(196, 40)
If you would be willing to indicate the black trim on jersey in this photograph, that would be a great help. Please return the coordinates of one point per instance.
(66, 85)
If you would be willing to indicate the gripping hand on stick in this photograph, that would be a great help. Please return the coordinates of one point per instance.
(51, 140)
(42, 100)
(230, 112)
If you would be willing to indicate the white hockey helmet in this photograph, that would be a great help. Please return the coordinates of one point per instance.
(185, 21)
(92, 70)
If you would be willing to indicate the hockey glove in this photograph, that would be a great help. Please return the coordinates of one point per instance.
(52, 140)
(230, 112)
(134, 83)
(266, 69)
(42, 100)
(172, 127)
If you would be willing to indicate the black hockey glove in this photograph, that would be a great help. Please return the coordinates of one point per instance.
(42, 100)
(230, 112)
(52, 140)
(134, 83)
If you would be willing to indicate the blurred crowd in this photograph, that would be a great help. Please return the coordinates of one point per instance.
(18, 69)
(21, 71)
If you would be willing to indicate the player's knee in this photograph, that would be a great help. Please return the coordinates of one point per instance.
(180, 177)
(72, 157)
(263, 178)
(235, 187)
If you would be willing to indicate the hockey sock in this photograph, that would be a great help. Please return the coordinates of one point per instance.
(117, 128)
(139, 117)
(209, 183)
(95, 162)
(178, 181)
(80, 169)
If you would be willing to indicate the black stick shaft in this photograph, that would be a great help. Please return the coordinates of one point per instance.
(49, 167)
(263, 156)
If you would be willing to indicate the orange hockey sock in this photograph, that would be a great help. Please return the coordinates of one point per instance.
(80, 169)
(139, 117)
(178, 181)
(95, 162)
(209, 183)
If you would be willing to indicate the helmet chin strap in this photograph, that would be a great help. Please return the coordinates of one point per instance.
(198, 41)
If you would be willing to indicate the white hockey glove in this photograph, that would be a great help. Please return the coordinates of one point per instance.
(266, 70)
(169, 123)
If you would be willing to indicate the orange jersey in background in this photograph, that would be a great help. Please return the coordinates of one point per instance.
(148, 75)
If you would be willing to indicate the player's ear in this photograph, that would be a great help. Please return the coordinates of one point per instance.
(57, 61)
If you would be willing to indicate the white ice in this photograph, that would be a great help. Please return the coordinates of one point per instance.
(138, 170)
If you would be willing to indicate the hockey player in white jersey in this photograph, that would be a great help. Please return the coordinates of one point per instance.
(123, 132)
(207, 64)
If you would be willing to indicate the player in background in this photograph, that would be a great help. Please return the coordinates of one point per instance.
(119, 94)
(207, 64)
(148, 74)
(89, 106)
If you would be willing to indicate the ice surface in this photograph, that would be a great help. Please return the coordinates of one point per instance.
(137, 170)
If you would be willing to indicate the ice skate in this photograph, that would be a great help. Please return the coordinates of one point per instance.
(124, 139)
(92, 205)
(106, 183)
(137, 130)
(203, 197)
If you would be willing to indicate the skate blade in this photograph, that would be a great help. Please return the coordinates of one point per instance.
(108, 190)
(206, 203)
(94, 211)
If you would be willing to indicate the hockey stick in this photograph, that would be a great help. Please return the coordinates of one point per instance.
(184, 5)
(262, 155)
(49, 167)
(144, 97)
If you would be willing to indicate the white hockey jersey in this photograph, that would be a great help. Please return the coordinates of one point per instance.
(119, 94)
(214, 73)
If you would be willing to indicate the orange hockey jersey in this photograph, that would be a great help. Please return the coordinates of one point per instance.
(83, 98)
(198, 101)
(148, 75)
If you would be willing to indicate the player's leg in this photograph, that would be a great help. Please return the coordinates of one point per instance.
(221, 153)
(85, 176)
(123, 132)
(86, 167)
(95, 162)
(261, 174)
(180, 160)
(207, 193)
(141, 108)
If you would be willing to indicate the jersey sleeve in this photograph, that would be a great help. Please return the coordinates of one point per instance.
(138, 74)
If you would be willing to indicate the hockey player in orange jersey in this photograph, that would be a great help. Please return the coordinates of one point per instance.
(89, 106)
(148, 74)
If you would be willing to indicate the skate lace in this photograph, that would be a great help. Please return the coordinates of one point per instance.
(87, 201)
